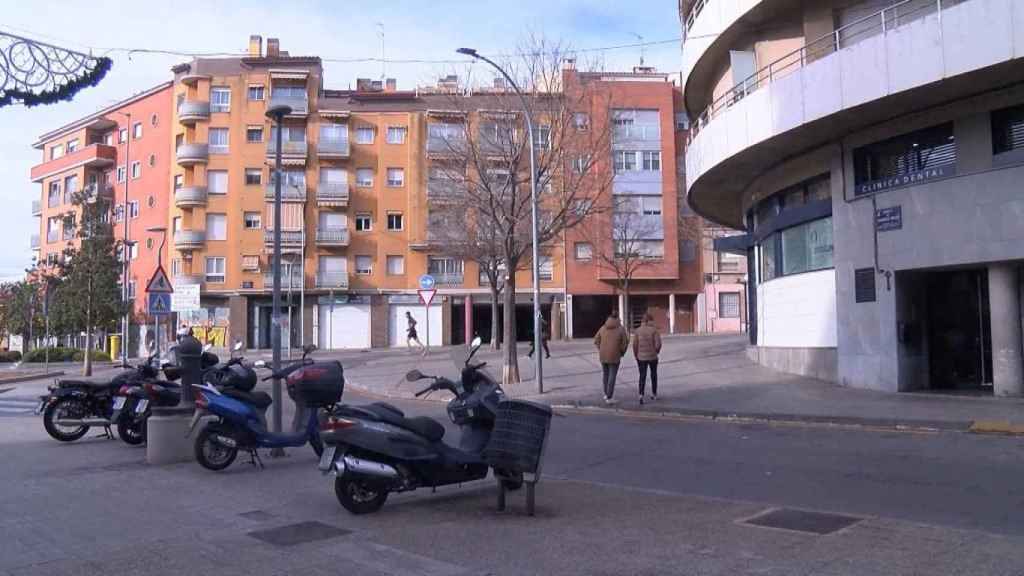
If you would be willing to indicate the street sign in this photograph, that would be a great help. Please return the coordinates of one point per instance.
(426, 282)
(159, 284)
(426, 296)
(159, 303)
(185, 298)
(890, 218)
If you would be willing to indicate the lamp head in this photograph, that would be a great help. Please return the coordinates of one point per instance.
(467, 52)
(279, 111)
(156, 229)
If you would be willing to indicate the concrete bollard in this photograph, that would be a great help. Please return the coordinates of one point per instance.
(165, 437)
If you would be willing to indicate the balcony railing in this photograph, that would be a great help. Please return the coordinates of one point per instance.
(298, 104)
(444, 189)
(288, 148)
(189, 154)
(289, 192)
(182, 279)
(37, 207)
(695, 10)
(97, 190)
(454, 144)
(333, 236)
(877, 23)
(33, 241)
(68, 234)
(288, 237)
(190, 111)
(338, 147)
(290, 277)
(333, 279)
(189, 239)
(448, 278)
(634, 133)
(190, 196)
(332, 193)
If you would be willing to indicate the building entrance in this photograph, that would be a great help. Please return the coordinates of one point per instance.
(959, 330)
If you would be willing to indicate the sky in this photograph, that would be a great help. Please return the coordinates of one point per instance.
(343, 29)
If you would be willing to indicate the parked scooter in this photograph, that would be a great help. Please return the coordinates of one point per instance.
(374, 449)
(241, 422)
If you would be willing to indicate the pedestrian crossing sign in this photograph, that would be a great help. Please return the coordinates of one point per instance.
(159, 282)
(159, 303)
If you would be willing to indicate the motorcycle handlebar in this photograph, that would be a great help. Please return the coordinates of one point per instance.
(424, 391)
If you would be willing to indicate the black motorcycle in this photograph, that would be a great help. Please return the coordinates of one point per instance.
(374, 449)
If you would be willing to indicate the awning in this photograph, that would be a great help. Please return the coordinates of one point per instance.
(288, 74)
(738, 244)
(334, 113)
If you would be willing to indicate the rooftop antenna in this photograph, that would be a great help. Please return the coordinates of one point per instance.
(642, 47)
(383, 63)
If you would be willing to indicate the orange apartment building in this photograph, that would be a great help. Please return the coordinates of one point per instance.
(124, 147)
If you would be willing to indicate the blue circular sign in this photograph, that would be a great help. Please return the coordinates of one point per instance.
(426, 282)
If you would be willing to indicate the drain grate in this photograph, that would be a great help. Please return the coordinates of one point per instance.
(820, 523)
(300, 533)
(257, 515)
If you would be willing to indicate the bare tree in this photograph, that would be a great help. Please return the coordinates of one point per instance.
(489, 146)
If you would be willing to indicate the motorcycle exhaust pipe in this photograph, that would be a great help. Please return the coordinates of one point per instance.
(369, 468)
(82, 422)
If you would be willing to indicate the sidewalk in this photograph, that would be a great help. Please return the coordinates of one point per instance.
(704, 376)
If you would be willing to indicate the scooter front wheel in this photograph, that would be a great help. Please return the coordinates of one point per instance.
(359, 497)
(69, 408)
(210, 453)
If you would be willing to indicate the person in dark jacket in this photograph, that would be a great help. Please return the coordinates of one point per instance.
(545, 335)
(646, 347)
(612, 341)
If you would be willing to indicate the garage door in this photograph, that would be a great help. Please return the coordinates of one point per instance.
(344, 326)
(397, 323)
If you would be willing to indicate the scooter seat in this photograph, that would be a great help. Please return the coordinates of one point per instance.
(258, 399)
(86, 384)
(390, 407)
(424, 426)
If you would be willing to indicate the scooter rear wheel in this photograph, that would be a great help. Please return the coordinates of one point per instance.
(357, 496)
(64, 408)
(132, 430)
(211, 454)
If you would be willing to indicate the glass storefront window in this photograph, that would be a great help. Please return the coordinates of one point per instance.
(768, 267)
(807, 247)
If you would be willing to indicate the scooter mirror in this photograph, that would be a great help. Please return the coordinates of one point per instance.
(308, 348)
(476, 342)
(238, 346)
(207, 347)
(413, 375)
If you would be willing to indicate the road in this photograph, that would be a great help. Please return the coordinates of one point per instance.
(621, 496)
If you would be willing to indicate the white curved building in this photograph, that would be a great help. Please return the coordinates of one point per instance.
(873, 151)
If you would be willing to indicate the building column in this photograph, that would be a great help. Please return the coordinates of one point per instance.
(672, 313)
(568, 316)
(1004, 305)
(468, 314)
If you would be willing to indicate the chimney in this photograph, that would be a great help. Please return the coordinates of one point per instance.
(390, 85)
(255, 46)
(273, 48)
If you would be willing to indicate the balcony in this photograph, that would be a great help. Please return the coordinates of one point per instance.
(333, 148)
(191, 111)
(182, 279)
(192, 154)
(289, 192)
(37, 207)
(290, 238)
(98, 190)
(91, 156)
(189, 239)
(288, 148)
(290, 277)
(33, 241)
(298, 104)
(332, 236)
(445, 190)
(52, 236)
(332, 279)
(452, 145)
(190, 196)
(332, 194)
(448, 278)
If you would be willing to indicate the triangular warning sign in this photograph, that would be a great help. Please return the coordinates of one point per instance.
(159, 284)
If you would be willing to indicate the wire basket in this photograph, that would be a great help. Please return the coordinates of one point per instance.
(519, 438)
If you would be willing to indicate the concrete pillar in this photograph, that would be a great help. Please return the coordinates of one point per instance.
(568, 316)
(671, 313)
(1004, 306)
(468, 318)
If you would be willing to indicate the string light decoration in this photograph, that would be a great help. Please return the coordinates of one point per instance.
(33, 72)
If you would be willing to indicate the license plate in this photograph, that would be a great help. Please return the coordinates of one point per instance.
(141, 406)
(42, 405)
(327, 458)
(119, 402)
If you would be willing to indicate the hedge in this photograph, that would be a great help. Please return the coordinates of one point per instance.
(61, 354)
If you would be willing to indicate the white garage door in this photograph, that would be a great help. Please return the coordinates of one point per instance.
(397, 324)
(344, 326)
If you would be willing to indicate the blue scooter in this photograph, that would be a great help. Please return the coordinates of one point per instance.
(241, 422)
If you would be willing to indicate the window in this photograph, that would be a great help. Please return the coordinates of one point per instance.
(1007, 130)
(729, 262)
(624, 160)
(70, 187)
(218, 140)
(214, 268)
(546, 268)
(133, 209)
(216, 227)
(584, 250)
(254, 134)
(122, 135)
(72, 145)
(542, 137)
(220, 99)
(108, 138)
(137, 130)
(650, 205)
(136, 170)
(256, 93)
(250, 263)
(364, 265)
(152, 160)
(396, 265)
(153, 119)
(333, 132)
(133, 250)
(217, 181)
(176, 224)
(728, 304)
(807, 247)
(121, 173)
(119, 213)
(905, 159)
(687, 251)
(581, 120)
(179, 181)
(252, 221)
(768, 257)
(394, 221)
(364, 177)
(396, 135)
(396, 177)
(682, 122)
(364, 222)
(253, 176)
(131, 289)
(175, 267)
(53, 198)
(56, 151)
(581, 164)
(652, 160)
(364, 135)
(151, 201)
(440, 266)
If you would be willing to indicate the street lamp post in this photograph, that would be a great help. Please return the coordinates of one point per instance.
(162, 231)
(126, 251)
(277, 113)
(533, 209)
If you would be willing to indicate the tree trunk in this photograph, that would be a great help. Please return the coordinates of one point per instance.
(510, 372)
(627, 320)
(87, 363)
(495, 318)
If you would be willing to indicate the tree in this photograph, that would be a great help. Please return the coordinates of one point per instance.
(88, 295)
(21, 309)
(489, 149)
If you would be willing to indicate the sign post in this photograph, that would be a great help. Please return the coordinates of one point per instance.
(426, 293)
(158, 300)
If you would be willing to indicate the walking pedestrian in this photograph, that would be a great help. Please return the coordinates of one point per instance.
(545, 335)
(410, 333)
(646, 347)
(612, 341)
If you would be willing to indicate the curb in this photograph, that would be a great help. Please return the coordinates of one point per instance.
(30, 377)
(996, 428)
